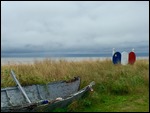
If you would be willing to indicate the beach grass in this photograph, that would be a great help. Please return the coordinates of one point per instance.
(118, 87)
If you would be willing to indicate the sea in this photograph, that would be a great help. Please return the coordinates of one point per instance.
(73, 57)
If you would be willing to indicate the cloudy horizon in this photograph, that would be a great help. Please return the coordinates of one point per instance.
(73, 27)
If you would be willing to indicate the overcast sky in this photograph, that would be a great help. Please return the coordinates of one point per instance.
(41, 27)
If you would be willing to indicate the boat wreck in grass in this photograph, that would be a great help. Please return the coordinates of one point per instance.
(41, 97)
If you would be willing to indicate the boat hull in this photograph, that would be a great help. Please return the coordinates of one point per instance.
(12, 98)
(49, 106)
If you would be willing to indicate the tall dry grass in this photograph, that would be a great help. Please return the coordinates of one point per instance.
(108, 77)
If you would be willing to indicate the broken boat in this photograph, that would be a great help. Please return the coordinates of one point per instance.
(39, 97)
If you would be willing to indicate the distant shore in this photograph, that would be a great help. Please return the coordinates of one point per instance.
(30, 60)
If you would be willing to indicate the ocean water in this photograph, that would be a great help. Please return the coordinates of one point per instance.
(30, 60)
(24, 60)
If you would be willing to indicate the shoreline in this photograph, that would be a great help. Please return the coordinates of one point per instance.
(11, 61)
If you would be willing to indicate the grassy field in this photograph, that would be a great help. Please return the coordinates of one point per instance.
(118, 88)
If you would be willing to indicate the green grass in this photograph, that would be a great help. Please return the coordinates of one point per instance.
(118, 88)
(113, 103)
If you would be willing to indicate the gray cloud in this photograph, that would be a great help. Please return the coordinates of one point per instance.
(74, 27)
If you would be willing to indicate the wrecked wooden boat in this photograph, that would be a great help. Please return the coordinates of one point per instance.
(44, 98)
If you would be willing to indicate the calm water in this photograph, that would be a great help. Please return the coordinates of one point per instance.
(10, 60)
(24, 60)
